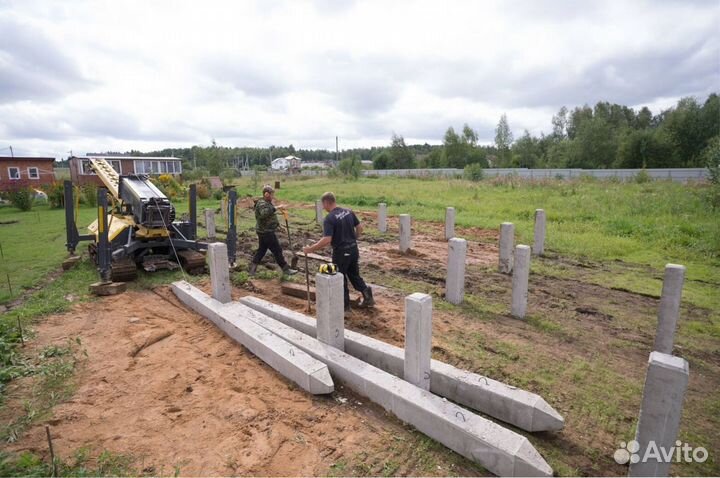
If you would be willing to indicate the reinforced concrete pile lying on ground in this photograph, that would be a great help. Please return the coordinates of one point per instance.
(405, 382)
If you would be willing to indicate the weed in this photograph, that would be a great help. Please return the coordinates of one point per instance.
(51, 372)
(107, 463)
(240, 278)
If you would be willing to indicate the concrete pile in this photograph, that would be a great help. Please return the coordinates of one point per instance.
(405, 382)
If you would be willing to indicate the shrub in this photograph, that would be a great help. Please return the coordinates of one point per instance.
(473, 172)
(218, 194)
(169, 186)
(56, 196)
(642, 177)
(350, 167)
(711, 155)
(712, 161)
(89, 195)
(203, 191)
(22, 199)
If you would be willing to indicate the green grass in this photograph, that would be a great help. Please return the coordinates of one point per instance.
(652, 223)
(617, 224)
(33, 246)
(106, 463)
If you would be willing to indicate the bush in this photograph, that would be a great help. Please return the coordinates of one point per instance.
(473, 172)
(203, 191)
(88, 195)
(22, 199)
(169, 186)
(350, 167)
(711, 156)
(56, 196)
(642, 177)
(218, 194)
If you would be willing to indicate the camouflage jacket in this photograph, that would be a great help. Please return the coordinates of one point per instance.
(265, 217)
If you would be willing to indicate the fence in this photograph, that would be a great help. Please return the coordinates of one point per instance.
(674, 174)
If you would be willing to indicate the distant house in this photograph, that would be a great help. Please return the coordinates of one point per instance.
(22, 172)
(286, 163)
(81, 173)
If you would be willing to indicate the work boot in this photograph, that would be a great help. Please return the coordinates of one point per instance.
(367, 300)
(288, 271)
(253, 268)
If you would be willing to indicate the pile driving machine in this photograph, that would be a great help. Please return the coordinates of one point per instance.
(138, 229)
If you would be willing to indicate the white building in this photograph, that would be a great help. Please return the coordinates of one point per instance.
(283, 164)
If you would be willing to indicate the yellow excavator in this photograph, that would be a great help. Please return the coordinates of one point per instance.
(137, 227)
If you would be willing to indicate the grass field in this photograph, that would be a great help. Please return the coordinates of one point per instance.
(606, 236)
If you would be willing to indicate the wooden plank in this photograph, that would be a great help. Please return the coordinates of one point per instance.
(315, 257)
(300, 291)
(297, 290)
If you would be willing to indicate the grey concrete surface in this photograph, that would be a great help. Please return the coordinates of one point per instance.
(507, 242)
(382, 217)
(455, 281)
(418, 339)
(405, 232)
(660, 412)
(329, 294)
(669, 309)
(520, 276)
(518, 407)
(310, 374)
(501, 451)
(210, 224)
(449, 223)
(538, 248)
(217, 258)
(319, 212)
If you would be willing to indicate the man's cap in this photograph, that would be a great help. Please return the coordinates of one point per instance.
(268, 189)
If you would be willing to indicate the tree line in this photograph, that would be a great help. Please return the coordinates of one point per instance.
(607, 135)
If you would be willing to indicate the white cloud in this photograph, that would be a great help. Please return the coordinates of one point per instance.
(106, 75)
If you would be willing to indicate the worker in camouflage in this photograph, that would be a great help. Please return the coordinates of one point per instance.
(266, 223)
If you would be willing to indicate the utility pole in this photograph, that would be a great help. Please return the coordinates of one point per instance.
(337, 151)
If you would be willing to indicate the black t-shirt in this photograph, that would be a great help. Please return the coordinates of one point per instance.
(340, 223)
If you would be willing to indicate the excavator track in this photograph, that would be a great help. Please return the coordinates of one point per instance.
(192, 262)
(124, 270)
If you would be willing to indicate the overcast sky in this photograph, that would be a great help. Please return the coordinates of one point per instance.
(119, 75)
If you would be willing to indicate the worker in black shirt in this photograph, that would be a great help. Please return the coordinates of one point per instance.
(341, 229)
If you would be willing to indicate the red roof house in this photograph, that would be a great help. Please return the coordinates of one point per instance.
(17, 172)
